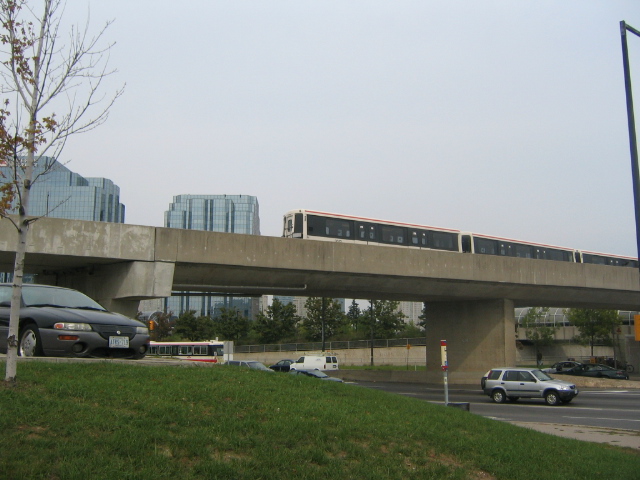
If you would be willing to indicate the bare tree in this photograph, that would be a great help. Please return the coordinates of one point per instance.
(41, 71)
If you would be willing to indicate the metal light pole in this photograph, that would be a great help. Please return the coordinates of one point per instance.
(633, 144)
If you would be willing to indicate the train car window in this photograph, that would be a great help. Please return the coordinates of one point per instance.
(558, 255)
(443, 241)
(485, 246)
(504, 249)
(625, 262)
(337, 228)
(419, 238)
(588, 258)
(392, 235)
(524, 251)
(315, 225)
(366, 232)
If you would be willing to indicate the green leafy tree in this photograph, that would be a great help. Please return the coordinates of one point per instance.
(313, 323)
(195, 329)
(278, 323)
(42, 67)
(354, 315)
(231, 325)
(595, 325)
(536, 330)
(383, 319)
(411, 330)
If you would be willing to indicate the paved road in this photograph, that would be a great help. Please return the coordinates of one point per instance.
(601, 415)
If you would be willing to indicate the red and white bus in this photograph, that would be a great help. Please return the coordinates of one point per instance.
(206, 351)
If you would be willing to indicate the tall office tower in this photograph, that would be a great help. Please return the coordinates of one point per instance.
(213, 213)
(412, 311)
(61, 193)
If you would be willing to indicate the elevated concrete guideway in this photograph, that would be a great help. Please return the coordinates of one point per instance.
(472, 296)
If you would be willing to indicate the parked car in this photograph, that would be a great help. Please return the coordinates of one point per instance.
(598, 371)
(282, 365)
(325, 361)
(252, 364)
(56, 321)
(562, 367)
(316, 374)
(506, 383)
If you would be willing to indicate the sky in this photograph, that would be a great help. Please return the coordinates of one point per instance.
(500, 117)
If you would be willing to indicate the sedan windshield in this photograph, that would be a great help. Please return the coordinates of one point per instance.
(57, 297)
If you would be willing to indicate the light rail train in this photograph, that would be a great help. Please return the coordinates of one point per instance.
(315, 225)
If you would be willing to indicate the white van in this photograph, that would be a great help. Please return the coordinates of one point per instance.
(325, 361)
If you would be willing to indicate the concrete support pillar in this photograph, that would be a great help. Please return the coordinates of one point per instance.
(480, 335)
(119, 287)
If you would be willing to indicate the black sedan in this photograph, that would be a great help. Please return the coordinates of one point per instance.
(563, 367)
(57, 321)
(315, 374)
(598, 371)
(282, 365)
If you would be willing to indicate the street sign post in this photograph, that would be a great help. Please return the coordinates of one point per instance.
(445, 369)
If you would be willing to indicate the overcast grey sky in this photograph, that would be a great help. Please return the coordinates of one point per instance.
(499, 117)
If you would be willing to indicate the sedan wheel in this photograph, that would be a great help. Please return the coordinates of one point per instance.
(29, 345)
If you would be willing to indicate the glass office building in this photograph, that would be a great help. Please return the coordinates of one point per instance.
(61, 193)
(213, 213)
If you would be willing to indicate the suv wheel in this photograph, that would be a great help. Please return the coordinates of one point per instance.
(552, 398)
(498, 396)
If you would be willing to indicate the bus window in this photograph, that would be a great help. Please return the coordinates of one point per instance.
(185, 350)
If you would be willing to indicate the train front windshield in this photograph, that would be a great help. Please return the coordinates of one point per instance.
(293, 225)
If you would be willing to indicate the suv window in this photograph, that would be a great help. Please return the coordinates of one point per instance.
(526, 377)
(494, 374)
(511, 376)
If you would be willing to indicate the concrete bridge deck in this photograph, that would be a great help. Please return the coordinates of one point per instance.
(471, 297)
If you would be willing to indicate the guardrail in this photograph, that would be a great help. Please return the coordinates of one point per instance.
(331, 346)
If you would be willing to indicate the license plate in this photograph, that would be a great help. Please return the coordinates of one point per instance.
(118, 342)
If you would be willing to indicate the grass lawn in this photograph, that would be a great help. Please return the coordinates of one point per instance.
(103, 420)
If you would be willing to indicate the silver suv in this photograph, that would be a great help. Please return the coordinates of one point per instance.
(504, 384)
